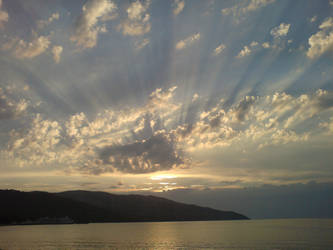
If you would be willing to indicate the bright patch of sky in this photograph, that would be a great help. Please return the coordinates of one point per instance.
(165, 95)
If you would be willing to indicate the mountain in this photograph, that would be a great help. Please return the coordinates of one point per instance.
(85, 206)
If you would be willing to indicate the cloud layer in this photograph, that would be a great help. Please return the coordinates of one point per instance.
(148, 139)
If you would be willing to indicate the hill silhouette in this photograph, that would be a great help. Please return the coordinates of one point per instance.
(85, 206)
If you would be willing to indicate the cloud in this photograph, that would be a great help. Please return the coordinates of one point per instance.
(322, 41)
(22, 49)
(154, 154)
(313, 19)
(218, 50)
(246, 51)
(178, 6)
(308, 106)
(88, 24)
(280, 31)
(75, 143)
(43, 23)
(152, 138)
(138, 20)
(257, 4)
(260, 121)
(243, 107)
(56, 51)
(254, 44)
(37, 145)
(141, 44)
(328, 125)
(11, 108)
(182, 44)
(265, 45)
(3, 15)
(239, 10)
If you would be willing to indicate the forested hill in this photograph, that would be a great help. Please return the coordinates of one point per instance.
(84, 206)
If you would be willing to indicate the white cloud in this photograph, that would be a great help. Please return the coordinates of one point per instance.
(138, 21)
(43, 23)
(195, 97)
(182, 44)
(151, 138)
(88, 24)
(244, 52)
(322, 41)
(265, 45)
(313, 19)
(178, 6)
(22, 49)
(56, 51)
(141, 44)
(254, 44)
(77, 143)
(239, 10)
(218, 50)
(257, 4)
(280, 31)
(3, 15)
(262, 121)
(11, 108)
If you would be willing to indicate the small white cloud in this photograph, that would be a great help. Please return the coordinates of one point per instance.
(280, 31)
(9, 107)
(138, 21)
(178, 6)
(22, 49)
(328, 23)
(195, 97)
(87, 25)
(3, 15)
(218, 50)
(254, 43)
(322, 41)
(56, 51)
(43, 23)
(265, 45)
(313, 19)
(244, 52)
(141, 44)
(239, 10)
(182, 44)
(257, 4)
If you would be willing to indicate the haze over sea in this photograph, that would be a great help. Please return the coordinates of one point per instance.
(253, 234)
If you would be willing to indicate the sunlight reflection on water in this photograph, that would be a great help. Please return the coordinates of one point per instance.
(254, 234)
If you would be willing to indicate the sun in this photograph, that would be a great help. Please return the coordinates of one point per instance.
(162, 177)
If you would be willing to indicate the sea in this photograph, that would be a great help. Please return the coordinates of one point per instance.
(245, 234)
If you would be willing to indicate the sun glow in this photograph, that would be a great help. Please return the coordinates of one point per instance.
(162, 177)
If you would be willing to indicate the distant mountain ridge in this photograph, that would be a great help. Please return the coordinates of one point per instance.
(86, 206)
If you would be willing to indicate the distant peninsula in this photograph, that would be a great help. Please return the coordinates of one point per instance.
(19, 208)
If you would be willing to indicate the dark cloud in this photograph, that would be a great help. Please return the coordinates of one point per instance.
(244, 107)
(325, 101)
(95, 169)
(9, 108)
(6, 112)
(154, 154)
(229, 183)
(87, 184)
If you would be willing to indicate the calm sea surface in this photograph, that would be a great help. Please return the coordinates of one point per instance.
(254, 234)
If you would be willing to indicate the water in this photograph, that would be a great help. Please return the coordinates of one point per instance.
(254, 234)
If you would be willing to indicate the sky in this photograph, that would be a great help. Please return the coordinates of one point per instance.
(167, 97)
